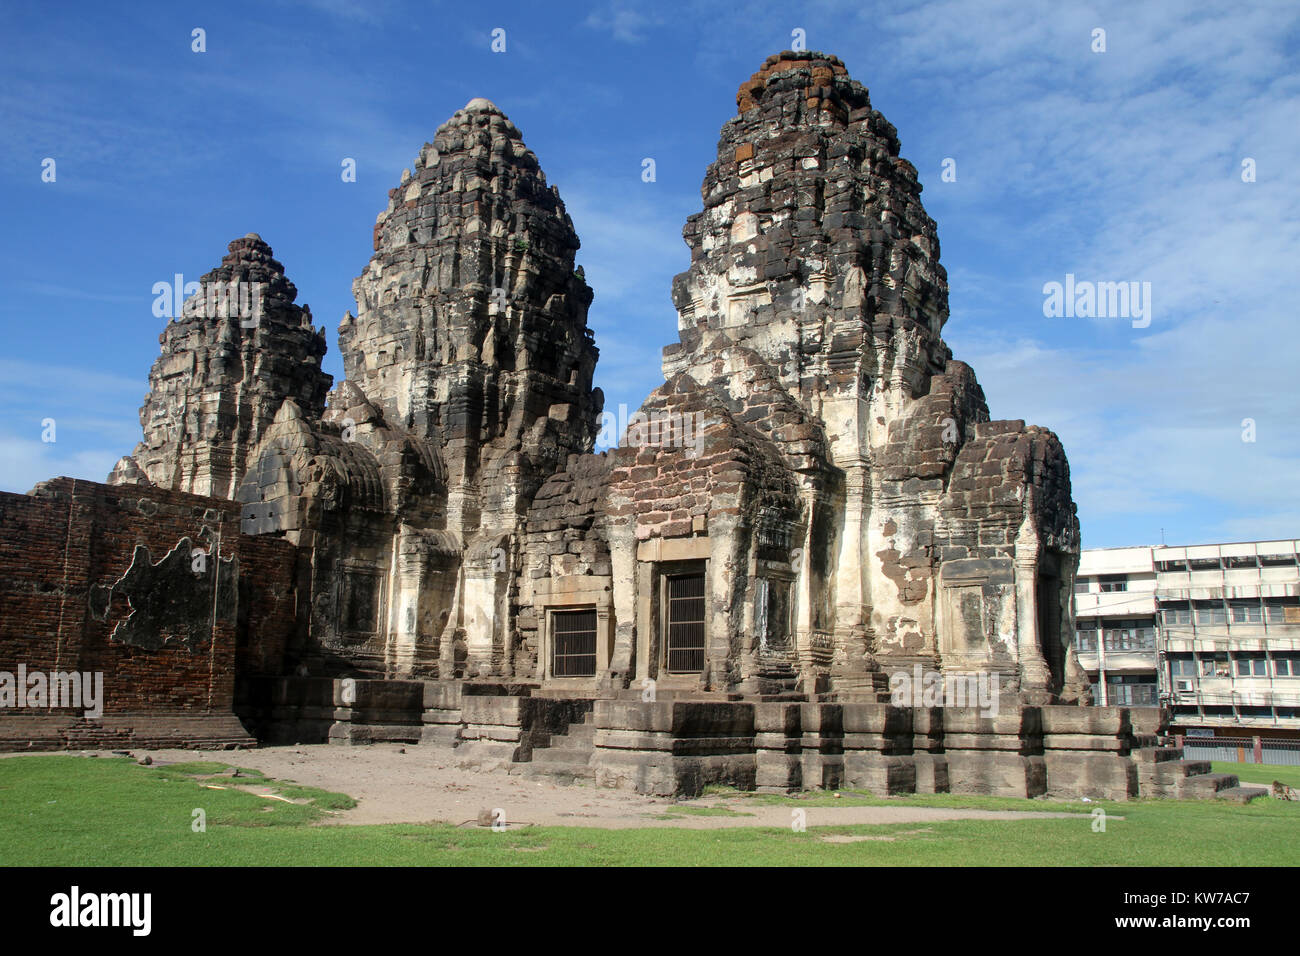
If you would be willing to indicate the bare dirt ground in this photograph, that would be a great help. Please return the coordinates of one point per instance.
(423, 785)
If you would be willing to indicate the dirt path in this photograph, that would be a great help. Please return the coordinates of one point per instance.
(422, 785)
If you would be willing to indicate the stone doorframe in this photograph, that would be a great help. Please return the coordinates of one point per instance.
(656, 558)
(574, 592)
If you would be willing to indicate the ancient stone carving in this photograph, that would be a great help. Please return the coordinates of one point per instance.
(228, 362)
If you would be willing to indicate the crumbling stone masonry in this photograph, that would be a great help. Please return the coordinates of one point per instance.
(853, 510)
(238, 349)
(814, 502)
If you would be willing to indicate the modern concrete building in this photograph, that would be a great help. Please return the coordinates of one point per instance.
(1210, 631)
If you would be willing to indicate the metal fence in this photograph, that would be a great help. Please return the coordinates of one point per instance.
(1242, 750)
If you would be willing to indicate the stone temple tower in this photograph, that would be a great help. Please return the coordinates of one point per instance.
(237, 351)
(814, 504)
(471, 335)
(472, 323)
(814, 500)
(468, 382)
(847, 509)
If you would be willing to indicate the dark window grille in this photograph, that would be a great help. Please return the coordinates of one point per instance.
(685, 624)
(574, 640)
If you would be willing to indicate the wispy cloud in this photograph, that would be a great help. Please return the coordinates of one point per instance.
(625, 21)
(63, 292)
(631, 249)
(24, 463)
(60, 420)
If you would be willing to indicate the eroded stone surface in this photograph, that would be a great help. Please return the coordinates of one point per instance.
(228, 363)
(471, 329)
(854, 510)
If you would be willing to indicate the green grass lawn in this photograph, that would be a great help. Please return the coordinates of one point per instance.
(66, 810)
(1261, 775)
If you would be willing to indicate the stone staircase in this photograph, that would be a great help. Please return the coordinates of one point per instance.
(565, 758)
(1200, 783)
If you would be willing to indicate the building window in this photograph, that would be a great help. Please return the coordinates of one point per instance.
(1171, 565)
(1252, 667)
(573, 643)
(685, 617)
(1287, 665)
(1276, 611)
(1211, 613)
(1204, 564)
(1182, 667)
(1277, 560)
(1240, 561)
(1113, 582)
(1134, 635)
(1247, 612)
(1177, 615)
(1131, 694)
(1215, 665)
(1081, 586)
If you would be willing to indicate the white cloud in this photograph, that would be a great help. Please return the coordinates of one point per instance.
(631, 249)
(93, 414)
(626, 22)
(1125, 166)
(24, 462)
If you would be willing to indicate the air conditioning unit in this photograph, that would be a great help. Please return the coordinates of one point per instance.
(1183, 686)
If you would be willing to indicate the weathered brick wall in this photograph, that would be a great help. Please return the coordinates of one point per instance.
(80, 592)
(728, 470)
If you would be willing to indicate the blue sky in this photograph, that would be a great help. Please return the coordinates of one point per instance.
(1124, 165)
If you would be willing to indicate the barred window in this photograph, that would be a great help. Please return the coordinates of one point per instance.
(573, 643)
(685, 617)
